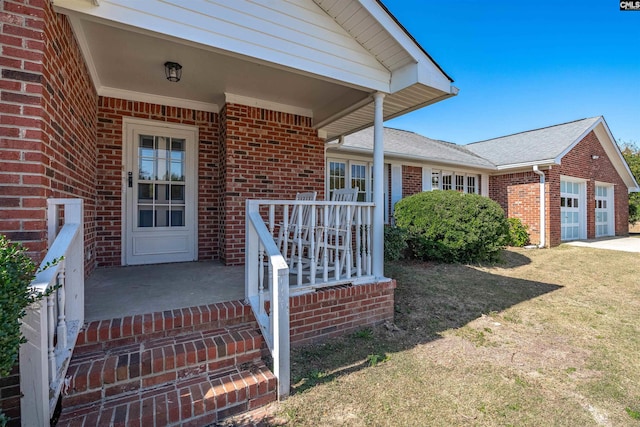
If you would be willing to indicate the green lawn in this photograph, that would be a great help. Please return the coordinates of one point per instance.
(549, 337)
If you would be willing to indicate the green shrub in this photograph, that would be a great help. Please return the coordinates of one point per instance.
(450, 226)
(395, 243)
(518, 233)
(16, 273)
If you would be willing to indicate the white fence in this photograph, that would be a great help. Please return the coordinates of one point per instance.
(296, 246)
(51, 325)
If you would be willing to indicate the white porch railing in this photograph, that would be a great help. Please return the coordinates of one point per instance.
(51, 325)
(269, 300)
(324, 243)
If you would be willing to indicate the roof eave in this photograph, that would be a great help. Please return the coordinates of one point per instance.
(546, 162)
(414, 158)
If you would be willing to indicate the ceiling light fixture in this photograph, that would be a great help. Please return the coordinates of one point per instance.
(173, 71)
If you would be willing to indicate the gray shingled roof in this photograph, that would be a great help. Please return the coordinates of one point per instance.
(532, 146)
(401, 143)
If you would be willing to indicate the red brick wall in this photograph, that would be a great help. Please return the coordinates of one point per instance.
(519, 196)
(267, 155)
(518, 193)
(111, 111)
(411, 180)
(337, 311)
(46, 151)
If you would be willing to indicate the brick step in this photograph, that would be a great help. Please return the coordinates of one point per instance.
(96, 374)
(102, 334)
(195, 401)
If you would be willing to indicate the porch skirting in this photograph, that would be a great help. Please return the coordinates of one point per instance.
(339, 310)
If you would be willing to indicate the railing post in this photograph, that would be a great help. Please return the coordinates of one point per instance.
(281, 339)
(34, 373)
(62, 322)
(251, 278)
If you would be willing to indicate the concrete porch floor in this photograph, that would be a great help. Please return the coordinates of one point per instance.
(120, 291)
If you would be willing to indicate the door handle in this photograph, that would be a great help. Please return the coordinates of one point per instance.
(130, 175)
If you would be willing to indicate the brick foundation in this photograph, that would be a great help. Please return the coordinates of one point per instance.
(339, 310)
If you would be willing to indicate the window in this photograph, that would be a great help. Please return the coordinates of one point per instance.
(461, 182)
(359, 179)
(346, 173)
(337, 175)
(446, 182)
(471, 184)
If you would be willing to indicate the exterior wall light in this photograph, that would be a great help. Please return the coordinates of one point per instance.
(595, 157)
(173, 71)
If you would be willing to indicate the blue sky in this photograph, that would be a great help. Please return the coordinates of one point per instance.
(523, 65)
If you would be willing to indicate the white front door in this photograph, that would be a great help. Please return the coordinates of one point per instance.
(160, 198)
(572, 210)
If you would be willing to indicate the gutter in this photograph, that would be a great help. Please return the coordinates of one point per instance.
(543, 225)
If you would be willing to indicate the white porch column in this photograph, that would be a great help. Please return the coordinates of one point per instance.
(378, 188)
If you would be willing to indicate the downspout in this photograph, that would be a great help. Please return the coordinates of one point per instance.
(543, 225)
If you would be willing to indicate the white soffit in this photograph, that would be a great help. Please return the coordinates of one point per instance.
(294, 34)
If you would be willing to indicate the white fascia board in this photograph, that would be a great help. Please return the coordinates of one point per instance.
(404, 77)
(234, 40)
(157, 99)
(431, 76)
(267, 105)
(547, 162)
(412, 74)
(408, 159)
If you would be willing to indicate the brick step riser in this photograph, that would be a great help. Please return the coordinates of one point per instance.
(105, 334)
(198, 401)
(99, 376)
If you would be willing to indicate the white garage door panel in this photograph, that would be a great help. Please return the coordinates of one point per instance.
(604, 211)
(572, 210)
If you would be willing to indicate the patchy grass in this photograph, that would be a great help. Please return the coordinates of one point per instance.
(548, 337)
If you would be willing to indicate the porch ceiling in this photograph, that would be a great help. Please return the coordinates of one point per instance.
(130, 64)
(230, 53)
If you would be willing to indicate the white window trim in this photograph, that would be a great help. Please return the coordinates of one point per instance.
(348, 176)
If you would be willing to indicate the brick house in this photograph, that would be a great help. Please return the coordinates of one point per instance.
(577, 167)
(152, 123)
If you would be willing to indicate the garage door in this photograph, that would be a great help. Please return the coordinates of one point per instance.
(604, 210)
(572, 210)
